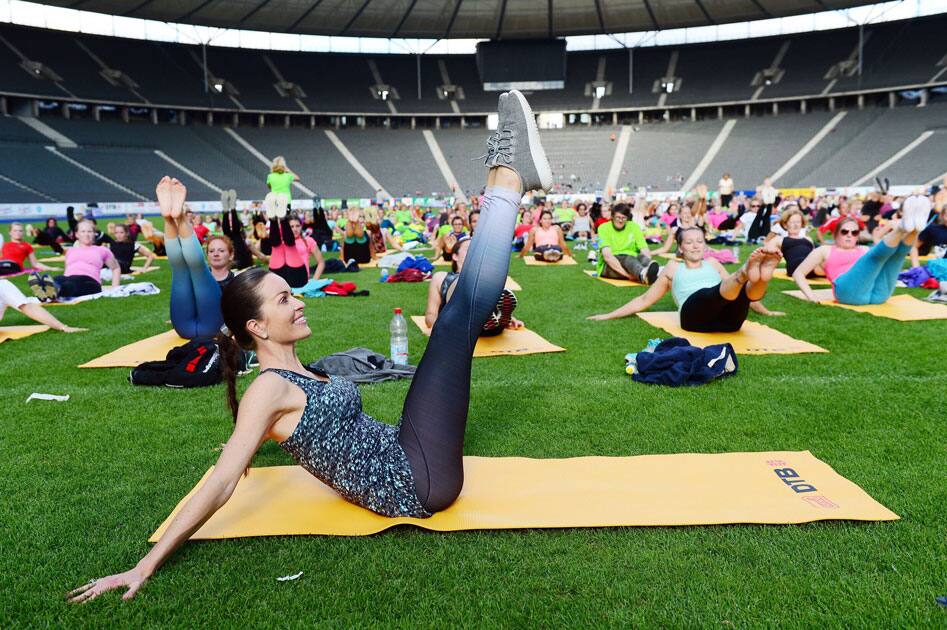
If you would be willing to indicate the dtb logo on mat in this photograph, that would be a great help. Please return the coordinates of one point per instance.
(792, 479)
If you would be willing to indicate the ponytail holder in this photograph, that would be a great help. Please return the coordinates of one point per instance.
(225, 331)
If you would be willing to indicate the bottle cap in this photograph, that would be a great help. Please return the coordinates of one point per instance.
(397, 311)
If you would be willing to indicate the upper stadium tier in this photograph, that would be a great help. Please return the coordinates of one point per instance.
(480, 19)
(62, 66)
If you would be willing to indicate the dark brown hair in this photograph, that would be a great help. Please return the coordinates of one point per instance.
(239, 303)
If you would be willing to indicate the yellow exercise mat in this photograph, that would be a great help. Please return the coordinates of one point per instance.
(752, 338)
(512, 285)
(614, 282)
(780, 274)
(18, 332)
(156, 257)
(777, 488)
(509, 342)
(565, 260)
(137, 271)
(670, 256)
(151, 349)
(904, 308)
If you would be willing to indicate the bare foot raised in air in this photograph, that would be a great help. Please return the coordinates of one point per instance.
(163, 193)
(752, 265)
(178, 194)
(771, 258)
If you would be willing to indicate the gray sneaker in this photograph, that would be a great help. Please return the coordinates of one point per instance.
(516, 143)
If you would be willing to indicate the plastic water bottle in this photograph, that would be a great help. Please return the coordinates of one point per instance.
(384, 275)
(399, 338)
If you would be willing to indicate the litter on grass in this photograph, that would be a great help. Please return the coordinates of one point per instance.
(38, 396)
(289, 578)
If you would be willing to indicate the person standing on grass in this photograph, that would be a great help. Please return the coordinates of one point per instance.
(414, 469)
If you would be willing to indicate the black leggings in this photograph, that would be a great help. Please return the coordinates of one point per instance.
(761, 224)
(42, 238)
(76, 286)
(434, 418)
(708, 311)
(233, 229)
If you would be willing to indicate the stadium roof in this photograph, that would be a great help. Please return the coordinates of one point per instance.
(480, 19)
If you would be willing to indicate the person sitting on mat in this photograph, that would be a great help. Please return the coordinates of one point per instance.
(307, 248)
(794, 245)
(195, 294)
(12, 297)
(546, 241)
(860, 275)
(446, 239)
(708, 297)
(51, 235)
(124, 249)
(16, 252)
(84, 264)
(442, 288)
(932, 238)
(355, 244)
(624, 253)
(414, 469)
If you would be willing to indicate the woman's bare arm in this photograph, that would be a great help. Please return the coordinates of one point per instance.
(433, 308)
(646, 300)
(816, 258)
(259, 409)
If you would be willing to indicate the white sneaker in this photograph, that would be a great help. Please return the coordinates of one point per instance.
(269, 205)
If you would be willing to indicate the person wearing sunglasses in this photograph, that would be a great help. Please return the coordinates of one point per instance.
(860, 275)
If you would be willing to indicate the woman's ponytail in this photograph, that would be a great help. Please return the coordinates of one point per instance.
(230, 354)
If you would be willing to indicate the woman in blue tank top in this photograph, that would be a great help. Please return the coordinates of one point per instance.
(412, 469)
(708, 297)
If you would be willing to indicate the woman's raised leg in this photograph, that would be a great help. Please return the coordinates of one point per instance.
(434, 418)
(858, 285)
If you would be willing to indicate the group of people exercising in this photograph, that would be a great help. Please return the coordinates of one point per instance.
(416, 468)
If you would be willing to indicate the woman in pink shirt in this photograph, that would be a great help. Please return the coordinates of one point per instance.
(84, 262)
(546, 240)
(860, 275)
(306, 246)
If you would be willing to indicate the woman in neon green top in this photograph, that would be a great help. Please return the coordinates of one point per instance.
(280, 179)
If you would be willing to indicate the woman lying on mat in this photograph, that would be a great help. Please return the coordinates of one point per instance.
(12, 297)
(708, 297)
(413, 469)
(795, 245)
(84, 263)
(16, 251)
(125, 248)
(546, 240)
(860, 275)
(195, 294)
(50, 235)
(442, 288)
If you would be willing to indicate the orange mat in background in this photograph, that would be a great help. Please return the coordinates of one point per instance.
(566, 260)
(904, 308)
(151, 349)
(510, 342)
(777, 488)
(8, 333)
(613, 281)
(780, 274)
(752, 338)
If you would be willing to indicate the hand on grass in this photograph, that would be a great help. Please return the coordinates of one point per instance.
(598, 318)
(515, 323)
(133, 579)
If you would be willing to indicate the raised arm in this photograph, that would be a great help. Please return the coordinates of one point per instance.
(433, 308)
(257, 413)
(644, 301)
(815, 258)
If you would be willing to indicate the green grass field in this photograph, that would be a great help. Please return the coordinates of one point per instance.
(85, 482)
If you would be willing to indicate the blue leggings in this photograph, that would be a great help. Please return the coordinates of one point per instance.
(872, 278)
(434, 418)
(195, 295)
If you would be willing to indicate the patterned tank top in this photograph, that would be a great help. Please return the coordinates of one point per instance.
(348, 450)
